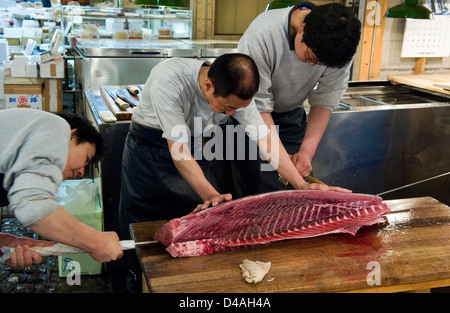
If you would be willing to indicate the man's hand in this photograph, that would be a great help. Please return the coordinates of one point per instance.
(23, 256)
(213, 201)
(302, 164)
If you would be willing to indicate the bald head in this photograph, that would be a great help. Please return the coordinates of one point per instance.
(235, 74)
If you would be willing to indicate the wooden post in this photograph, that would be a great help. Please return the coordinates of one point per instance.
(372, 40)
(420, 65)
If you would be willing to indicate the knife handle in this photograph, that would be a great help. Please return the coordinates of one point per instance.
(133, 90)
(127, 244)
(122, 104)
(315, 180)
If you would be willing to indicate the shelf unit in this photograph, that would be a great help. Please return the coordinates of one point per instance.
(143, 23)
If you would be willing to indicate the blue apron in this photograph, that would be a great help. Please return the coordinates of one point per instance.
(3, 193)
(248, 179)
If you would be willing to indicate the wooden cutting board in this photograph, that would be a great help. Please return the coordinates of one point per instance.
(434, 82)
(412, 249)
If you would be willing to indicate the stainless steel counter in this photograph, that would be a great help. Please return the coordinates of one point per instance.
(384, 137)
(107, 62)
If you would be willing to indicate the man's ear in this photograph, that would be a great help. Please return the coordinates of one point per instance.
(209, 85)
(74, 135)
(300, 29)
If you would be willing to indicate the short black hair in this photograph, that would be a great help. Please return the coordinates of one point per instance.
(234, 73)
(332, 31)
(86, 132)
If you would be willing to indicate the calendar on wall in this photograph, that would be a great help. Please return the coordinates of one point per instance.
(426, 38)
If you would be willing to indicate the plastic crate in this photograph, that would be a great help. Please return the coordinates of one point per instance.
(84, 194)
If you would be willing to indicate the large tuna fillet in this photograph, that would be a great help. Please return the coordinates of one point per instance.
(269, 217)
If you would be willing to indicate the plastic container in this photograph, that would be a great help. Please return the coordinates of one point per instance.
(113, 24)
(120, 34)
(81, 199)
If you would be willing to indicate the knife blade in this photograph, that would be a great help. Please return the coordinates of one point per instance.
(126, 96)
(412, 184)
(131, 244)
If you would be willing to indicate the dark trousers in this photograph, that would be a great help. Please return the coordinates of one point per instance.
(3, 193)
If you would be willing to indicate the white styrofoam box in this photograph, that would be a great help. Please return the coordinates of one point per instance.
(18, 69)
(7, 67)
(31, 70)
(28, 32)
(52, 69)
(30, 24)
(53, 94)
(12, 32)
(4, 53)
(38, 32)
(20, 59)
(2, 76)
(33, 101)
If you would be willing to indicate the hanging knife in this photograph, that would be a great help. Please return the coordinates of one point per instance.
(120, 103)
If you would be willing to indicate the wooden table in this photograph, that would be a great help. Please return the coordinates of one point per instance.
(438, 82)
(411, 251)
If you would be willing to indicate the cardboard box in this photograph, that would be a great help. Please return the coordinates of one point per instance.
(23, 93)
(13, 41)
(53, 95)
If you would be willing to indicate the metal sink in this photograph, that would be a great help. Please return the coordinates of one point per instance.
(365, 94)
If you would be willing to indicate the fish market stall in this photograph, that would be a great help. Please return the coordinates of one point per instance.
(410, 251)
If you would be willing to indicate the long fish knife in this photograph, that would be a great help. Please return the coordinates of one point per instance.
(131, 244)
(126, 96)
(60, 249)
(310, 178)
(120, 103)
(412, 184)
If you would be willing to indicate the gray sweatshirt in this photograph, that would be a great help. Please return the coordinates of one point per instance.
(34, 147)
(286, 82)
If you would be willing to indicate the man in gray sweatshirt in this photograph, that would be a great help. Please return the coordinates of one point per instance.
(38, 150)
(302, 53)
